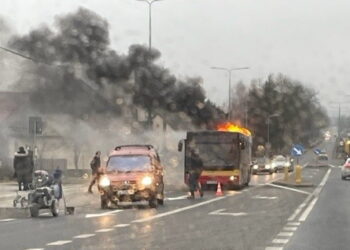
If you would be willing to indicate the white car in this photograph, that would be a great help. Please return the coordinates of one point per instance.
(345, 170)
(279, 162)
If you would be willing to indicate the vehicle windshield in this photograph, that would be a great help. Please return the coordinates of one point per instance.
(129, 163)
(279, 158)
(217, 156)
(261, 160)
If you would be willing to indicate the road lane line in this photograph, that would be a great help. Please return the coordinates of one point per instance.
(83, 236)
(285, 234)
(220, 212)
(298, 210)
(258, 197)
(288, 188)
(274, 248)
(293, 223)
(7, 220)
(58, 243)
(293, 229)
(121, 225)
(104, 230)
(182, 197)
(102, 214)
(280, 241)
(179, 210)
(35, 249)
(308, 210)
(318, 190)
(325, 178)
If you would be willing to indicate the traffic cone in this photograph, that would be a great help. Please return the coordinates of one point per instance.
(219, 191)
(197, 193)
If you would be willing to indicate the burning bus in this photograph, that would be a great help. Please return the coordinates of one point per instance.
(225, 153)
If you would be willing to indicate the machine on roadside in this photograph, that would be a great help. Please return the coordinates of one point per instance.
(46, 192)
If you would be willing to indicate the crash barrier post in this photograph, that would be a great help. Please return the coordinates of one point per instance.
(286, 173)
(298, 177)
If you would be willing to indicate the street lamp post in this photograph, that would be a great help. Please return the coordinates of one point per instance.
(149, 2)
(268, 127)
(229, 71)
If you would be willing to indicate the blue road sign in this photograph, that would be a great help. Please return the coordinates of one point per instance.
(297, 150)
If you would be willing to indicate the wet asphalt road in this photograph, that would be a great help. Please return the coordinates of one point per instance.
(328, 226)
(252, 218)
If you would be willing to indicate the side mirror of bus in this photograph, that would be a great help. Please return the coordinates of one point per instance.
(242, 145)
(179, 146)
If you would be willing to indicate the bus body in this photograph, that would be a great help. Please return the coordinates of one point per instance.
(226, 157)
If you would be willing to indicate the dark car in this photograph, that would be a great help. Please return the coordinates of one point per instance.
(262, 165)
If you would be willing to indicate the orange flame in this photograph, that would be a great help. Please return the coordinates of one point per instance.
(231, 127)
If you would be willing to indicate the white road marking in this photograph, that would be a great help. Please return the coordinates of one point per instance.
(264, 197)
(231, 193)
(104, 230)
(298, 210)
(285, 234)
(304, 165)
(122, 225)
(325, 178)
(7, 220)
(7, 196)
(316, 194)
(288, 188)
(280, 241)
(83, 236)
(102, 214)
(182, 197)
(293, 229)
(274, 248)
(293, 223)
(179, 210)
(35, 249)
(58, 243)
(308, 210)
(220, 212)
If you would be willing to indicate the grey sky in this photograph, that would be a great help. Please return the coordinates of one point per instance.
(307, 40)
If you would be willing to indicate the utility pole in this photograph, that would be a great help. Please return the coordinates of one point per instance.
(339, 122)
(149, 2)
(268, 128)
(229, 71)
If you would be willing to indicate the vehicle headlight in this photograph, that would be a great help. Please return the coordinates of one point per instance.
(104, 181)
(287, 164)
(273, 165)
(146, 181)
(267, 166)
(255, 167)
(232, 178)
